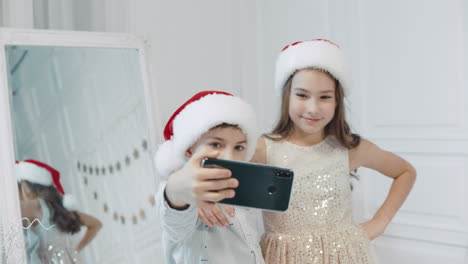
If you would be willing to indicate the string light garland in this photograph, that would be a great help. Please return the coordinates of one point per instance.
(91, 169)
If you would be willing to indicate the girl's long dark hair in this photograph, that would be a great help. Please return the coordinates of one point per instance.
(66, 221)
(337, 127)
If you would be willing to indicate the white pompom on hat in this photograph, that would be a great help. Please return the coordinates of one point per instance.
(320, 54)
(69, 202)
(197, 116)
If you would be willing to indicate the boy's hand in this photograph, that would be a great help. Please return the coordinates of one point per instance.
(194, 184)
(215, 216)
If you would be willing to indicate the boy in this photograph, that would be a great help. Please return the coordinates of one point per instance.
(216, 125)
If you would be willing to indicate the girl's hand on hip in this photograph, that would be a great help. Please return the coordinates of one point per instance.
(374, 228)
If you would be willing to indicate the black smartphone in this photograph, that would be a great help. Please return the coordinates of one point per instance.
(260, 186)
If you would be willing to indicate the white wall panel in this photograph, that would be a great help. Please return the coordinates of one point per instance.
(414, 68)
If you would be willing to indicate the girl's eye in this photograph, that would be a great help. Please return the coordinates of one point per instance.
(301, 95)
(325, 97)
(239, 147)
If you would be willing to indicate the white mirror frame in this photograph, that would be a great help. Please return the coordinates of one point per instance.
(11, 235)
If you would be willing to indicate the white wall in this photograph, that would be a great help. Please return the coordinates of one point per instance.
(191, 43)
(17, 13)
(1, 14)
(194, 45)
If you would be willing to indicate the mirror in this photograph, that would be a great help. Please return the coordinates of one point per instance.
(84, 109)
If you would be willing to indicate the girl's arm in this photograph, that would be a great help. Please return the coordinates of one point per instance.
(93, 225)
(401, 171)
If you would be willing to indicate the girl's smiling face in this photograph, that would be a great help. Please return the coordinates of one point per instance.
(312, 102)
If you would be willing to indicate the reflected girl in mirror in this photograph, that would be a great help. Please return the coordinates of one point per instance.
(44, 200)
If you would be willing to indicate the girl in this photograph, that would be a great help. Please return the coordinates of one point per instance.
(44, 201)
(313, 138)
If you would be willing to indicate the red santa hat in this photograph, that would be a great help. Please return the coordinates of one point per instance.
(197, 116)
(41, 173)
(319, 54)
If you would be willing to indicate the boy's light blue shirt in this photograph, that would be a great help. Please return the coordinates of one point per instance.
(186, 239)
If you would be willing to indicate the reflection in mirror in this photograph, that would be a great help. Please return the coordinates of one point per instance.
(81, 139)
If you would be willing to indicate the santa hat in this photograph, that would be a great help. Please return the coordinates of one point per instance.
(41, 173)
(197, 116)
(319, 54)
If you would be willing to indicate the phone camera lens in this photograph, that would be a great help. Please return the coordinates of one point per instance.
(284, 174)
(271, 189)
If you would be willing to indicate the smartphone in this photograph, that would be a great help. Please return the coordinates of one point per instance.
(260, 186)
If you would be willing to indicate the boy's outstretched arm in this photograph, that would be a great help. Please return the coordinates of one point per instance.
(190, 188)
(176, 223)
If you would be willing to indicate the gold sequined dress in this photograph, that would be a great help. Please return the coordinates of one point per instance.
(318, 226)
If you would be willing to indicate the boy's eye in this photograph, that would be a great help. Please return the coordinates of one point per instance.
(239, 147)
(215, 145)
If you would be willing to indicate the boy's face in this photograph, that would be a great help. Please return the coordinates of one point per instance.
(229, 141)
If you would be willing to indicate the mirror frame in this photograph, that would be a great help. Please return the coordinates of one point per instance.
(11, 235)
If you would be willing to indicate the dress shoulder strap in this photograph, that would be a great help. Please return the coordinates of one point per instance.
(45, 211)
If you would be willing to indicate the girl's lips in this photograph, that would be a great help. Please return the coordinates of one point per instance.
(311, 120)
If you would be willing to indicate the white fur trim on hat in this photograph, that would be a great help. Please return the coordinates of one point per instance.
(166, 159)
(69, 202)
(32, 173)
(198, 118)
(319, 54)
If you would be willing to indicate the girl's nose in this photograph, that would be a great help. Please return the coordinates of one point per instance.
(312, 106)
